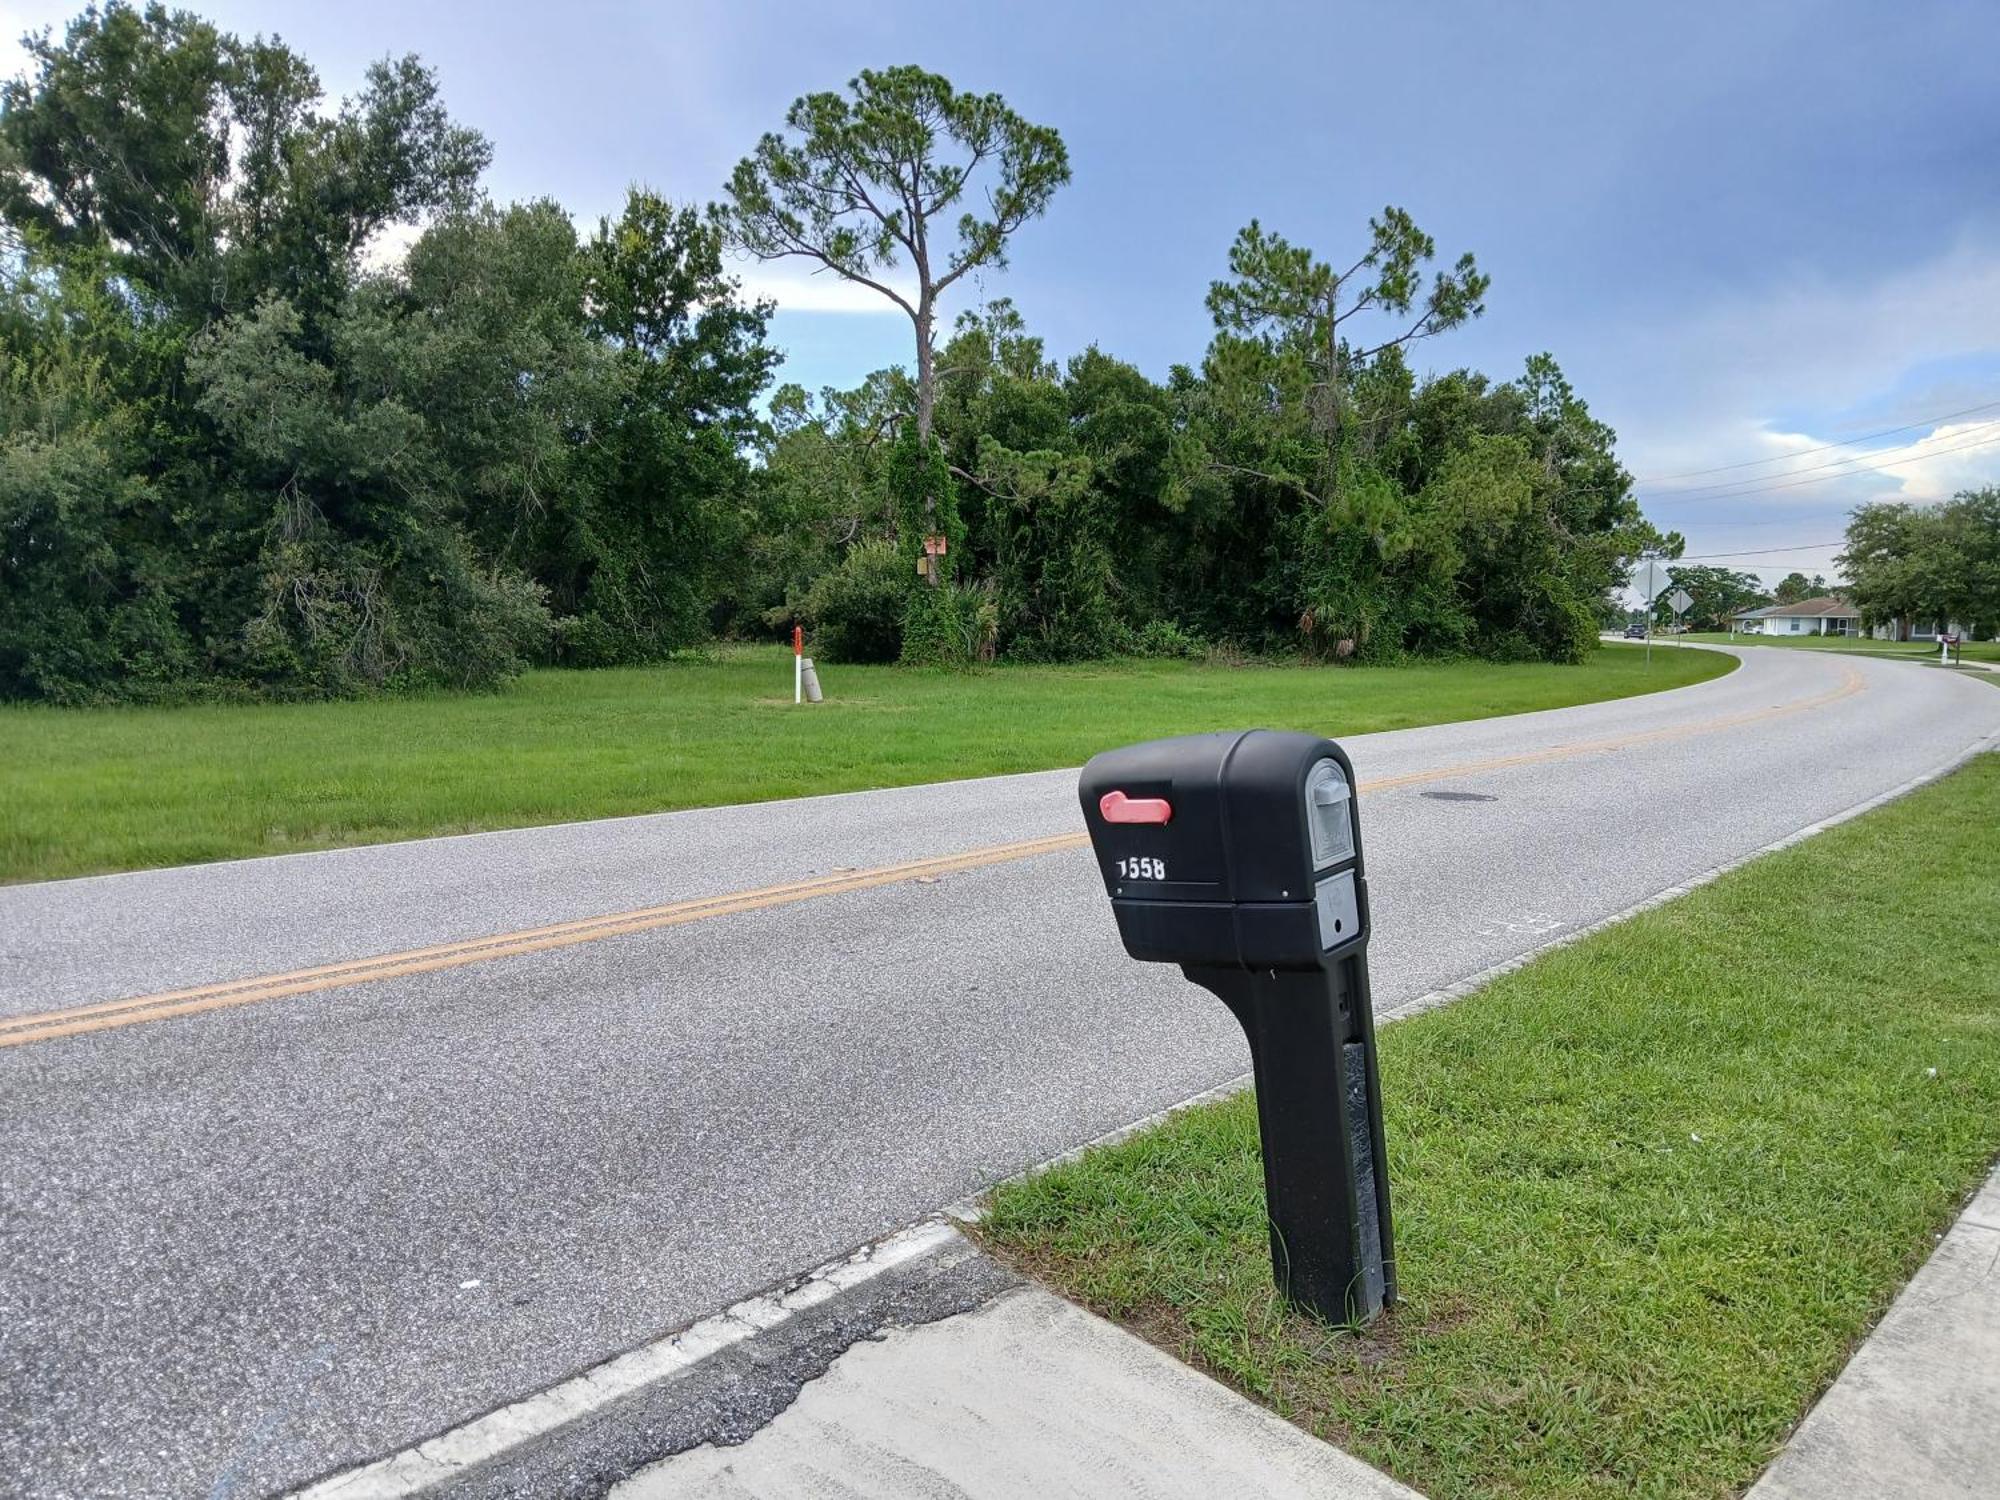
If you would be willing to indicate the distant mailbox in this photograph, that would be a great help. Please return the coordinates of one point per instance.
(1238, 857)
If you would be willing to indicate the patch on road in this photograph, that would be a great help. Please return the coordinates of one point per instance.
(1459, 796)
(1530, 924)
(725, 1398)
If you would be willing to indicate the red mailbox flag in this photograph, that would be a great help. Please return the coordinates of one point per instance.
(1116, 807)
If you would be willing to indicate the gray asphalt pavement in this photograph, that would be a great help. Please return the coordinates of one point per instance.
(244, 1248)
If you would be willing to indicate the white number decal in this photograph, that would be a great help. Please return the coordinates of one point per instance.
(1142, 869)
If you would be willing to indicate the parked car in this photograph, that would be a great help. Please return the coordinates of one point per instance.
(1635, 631)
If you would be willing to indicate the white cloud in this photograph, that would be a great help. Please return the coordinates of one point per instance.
(1921, 466)
(388, 245)
(1739, 381)
(796, 290)
(18, 17)
(1714, 383)
(1957, 456)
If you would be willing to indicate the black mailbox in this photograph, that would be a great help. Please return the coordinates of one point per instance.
(1238, 857)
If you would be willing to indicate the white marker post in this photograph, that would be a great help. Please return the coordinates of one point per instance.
(798, 664)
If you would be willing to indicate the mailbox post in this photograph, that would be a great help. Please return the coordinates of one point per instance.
(1238, 857)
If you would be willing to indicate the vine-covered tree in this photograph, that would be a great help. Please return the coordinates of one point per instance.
(865, 183)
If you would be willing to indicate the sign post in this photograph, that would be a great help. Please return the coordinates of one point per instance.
(1649, 578)
(1682, 601)
(798, 664)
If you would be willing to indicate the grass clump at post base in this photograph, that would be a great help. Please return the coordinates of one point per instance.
(85, 790)
(1649, 1190)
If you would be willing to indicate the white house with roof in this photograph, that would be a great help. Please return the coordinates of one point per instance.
(1829, 614)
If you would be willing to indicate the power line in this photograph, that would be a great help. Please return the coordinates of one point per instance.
(1781, 520)
(1693, 498)
(1751, 463)
(1766, 552)
(1740, 486)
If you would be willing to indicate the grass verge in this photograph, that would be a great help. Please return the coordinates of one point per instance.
(1851, 645)
(83, 791)
(1649, 1190)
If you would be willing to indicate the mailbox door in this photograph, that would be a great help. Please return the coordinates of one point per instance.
(1291, 815)
(1172, 849)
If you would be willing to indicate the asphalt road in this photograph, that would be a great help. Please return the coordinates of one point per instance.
(248, 1245)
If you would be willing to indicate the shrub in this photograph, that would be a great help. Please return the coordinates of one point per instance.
(949, 626)
(855, 612)
(1165, 638)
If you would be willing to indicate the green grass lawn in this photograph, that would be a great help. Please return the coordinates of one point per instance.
(1852, 644)
(1649, 1190)
(114, 789)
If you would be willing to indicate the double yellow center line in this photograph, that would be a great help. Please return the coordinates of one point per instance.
(45, 1026)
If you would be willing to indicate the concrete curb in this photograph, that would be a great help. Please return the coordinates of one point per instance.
(1916, 1410)
(1027, 1394)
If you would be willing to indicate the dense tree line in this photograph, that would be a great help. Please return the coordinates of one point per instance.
(1720, 594)
(239, 456)
(234, 459)
(1927, 565)
(1098, 510)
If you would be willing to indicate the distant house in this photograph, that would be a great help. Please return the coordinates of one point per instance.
(1829, 614)
(1918, 630)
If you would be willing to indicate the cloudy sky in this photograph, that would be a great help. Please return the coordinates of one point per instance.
(1748, 231)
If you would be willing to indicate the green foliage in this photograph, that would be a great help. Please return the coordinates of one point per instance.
(237, 459)
(1650, 1189)
(1718, 595)
(1933, 564)
(234, 461)
(203, 168)
(1165, 640)
(78, 608)
(855, 610)
(950, 625)
(819, 488)
(1449, 516)
(1796, 586)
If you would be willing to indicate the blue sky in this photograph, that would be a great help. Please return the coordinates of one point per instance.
(1744, 230)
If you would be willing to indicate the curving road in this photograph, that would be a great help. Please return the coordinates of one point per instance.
(304, 1159)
